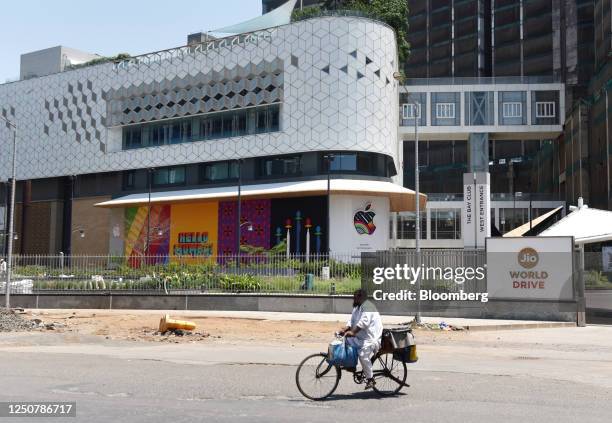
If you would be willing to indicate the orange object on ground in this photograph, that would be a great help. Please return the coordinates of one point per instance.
(166, 324)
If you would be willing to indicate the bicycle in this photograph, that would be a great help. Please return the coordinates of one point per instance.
(316, 379)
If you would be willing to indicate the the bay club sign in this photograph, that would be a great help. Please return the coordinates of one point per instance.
(537, 268)
(476, 209)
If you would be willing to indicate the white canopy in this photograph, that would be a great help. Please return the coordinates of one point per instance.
(586, 225)
(401, 199)
(524, 228)
(277, 17)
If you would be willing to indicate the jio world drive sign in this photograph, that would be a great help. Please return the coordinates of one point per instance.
(535, 268)
(476, 214)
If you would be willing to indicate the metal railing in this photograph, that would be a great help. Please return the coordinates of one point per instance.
(598, 270)
(247, 273)
(316, 12)
(315, 274)
(482, 80)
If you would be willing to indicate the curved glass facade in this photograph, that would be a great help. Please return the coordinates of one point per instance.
(233, 123)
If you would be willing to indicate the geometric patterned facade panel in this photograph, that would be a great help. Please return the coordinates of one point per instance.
(214, 91)
(332, 76)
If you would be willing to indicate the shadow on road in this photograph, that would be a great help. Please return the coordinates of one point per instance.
(599, 316)
(356, 396)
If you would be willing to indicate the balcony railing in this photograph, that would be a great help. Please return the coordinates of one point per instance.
(546, 79)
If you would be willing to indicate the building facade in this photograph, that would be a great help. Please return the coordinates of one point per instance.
(145, 155)
(479, 61)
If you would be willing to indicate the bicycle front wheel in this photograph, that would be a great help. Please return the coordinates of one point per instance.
(389, 374)
(316, 379)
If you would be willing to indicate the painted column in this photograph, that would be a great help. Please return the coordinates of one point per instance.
(307, 225)
(288, 227)
(298, 229)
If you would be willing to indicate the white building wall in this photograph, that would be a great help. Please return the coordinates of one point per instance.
(63, 122)
(345, 238)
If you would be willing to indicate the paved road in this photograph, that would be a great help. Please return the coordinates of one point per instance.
(107, 389)
(538, 375)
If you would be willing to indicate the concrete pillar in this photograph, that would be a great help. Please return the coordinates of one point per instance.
(476, 216)
(478, 152)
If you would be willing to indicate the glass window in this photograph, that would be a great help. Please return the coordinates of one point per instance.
(240, 124)
(228, 124)
(351, 162)
(129, 179)
(220, 171)
(511, 107)
(479, 108)
(406, 225)
(279, 166)
(274, 118)
(262, 121)
(344, 162)
(512, 110)
(511, 218)
(408, 111)
(169, 176)
(132, 137)
(445, 224)
(545, 109)
(445, 110)
(216, 128)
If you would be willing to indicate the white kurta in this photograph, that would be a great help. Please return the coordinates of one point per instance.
(368, 320)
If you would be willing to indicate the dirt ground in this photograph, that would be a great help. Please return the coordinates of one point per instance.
(144, 328)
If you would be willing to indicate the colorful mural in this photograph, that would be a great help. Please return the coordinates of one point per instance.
(255, 213)
(194, 230)
(304, 219)
(137, 227)
(187, 231)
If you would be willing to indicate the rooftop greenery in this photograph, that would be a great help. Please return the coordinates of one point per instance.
(393, 12)
(104, 59)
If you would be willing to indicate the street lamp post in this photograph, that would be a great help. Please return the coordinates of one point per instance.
(417, 204)
(239, 211)
(328, 158)
(530, 215)
(4, 216)
(149, 177)
(9, 264)
(514, 217)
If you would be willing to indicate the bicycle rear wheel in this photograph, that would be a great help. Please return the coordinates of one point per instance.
(389, 374)
(316, 379)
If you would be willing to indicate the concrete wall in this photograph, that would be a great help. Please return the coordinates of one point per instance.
(344, 235)
(512, 310)
(95, 222)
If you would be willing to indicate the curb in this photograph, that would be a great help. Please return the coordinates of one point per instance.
(519, 326)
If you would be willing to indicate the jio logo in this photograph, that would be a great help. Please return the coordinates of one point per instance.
(528, 258)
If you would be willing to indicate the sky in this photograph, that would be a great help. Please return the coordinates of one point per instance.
(108, 27)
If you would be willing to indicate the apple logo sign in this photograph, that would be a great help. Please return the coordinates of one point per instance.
(364, 220)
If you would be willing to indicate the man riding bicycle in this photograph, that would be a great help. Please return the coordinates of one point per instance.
(363, 331)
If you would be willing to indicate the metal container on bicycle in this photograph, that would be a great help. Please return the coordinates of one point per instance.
(401, 342)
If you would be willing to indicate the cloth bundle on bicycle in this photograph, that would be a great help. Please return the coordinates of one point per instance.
(393, 339)
(342, 354)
